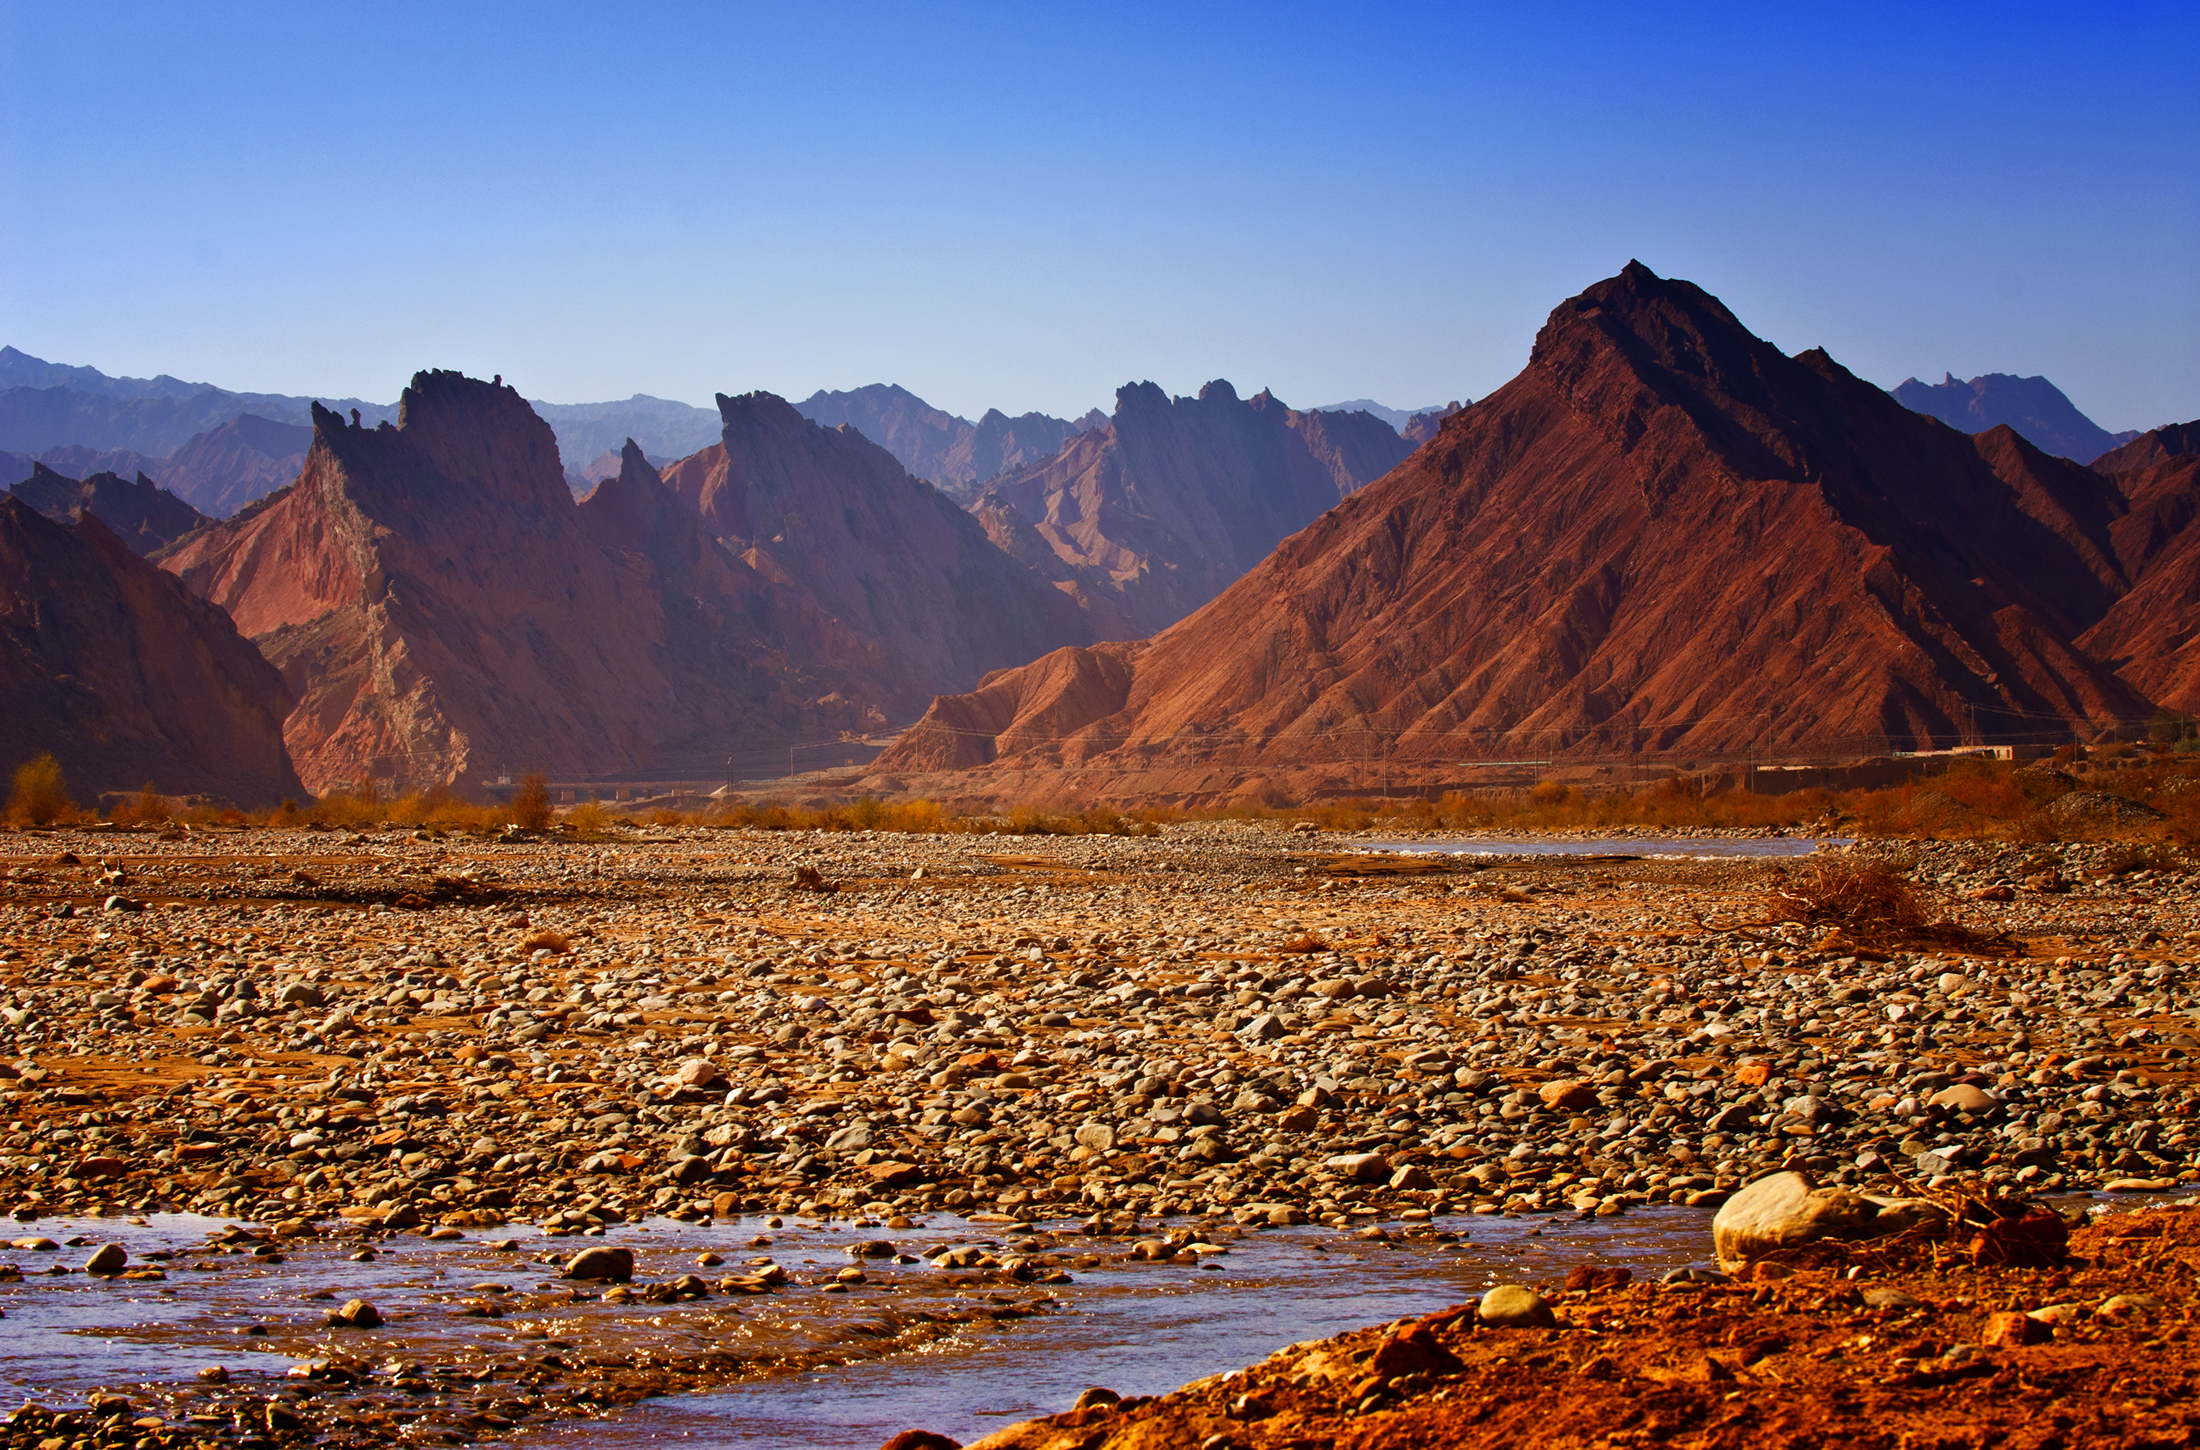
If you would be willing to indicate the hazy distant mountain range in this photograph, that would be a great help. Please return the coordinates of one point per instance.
(2035, 407)
(1397, 418)
(932, 443)
(220, 450)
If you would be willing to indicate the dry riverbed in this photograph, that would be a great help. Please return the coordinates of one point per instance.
(341, 1043)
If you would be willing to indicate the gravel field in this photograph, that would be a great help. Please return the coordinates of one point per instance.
(332, 1036)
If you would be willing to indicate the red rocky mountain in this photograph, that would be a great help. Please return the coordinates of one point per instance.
(216, 472)
(836, 518)
(813, 672)
(445, 610)
(1664, 536)
(127, 677)
(141, 513)
(1156, 513)
(1423, 426)
(2148, 636)
(443, 613)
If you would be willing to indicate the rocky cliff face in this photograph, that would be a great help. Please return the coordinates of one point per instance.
(2034, 407)
(445, 610)
(813, 672)
(127, 677)
(2148, 636)
(1176, 498)
(141, 513)
(837, 520)
(1663, 536)
(443, 613)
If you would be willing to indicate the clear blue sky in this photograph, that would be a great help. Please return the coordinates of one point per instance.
(1025, 206)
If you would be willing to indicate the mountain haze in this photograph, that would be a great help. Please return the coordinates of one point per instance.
(1397, 418)
(1158, 511)
(2034, 407)
(934, 444)
(835, 515)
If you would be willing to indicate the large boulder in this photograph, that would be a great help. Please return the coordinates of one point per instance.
(1786, 1209)
(602, 1263)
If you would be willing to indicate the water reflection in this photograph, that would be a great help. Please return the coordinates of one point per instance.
(1758, 848)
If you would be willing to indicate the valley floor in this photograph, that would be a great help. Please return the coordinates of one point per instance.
(344, 1041)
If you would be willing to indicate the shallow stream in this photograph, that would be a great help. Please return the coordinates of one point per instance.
(1137, 1328)
(1657, 848)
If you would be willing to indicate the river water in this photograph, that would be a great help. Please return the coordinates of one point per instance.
(1661, 848)
(1136, 1328)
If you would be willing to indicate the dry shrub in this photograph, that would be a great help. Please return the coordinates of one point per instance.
(588, 820)
(148, 808)
(41, 793)
(531, 803)
(357, 808)
(1090, 821)
(866, 813)
(554, 942)
(1988, 787)
(2183, 823)
(2133, 856)
(1864, 898)
(439, 807)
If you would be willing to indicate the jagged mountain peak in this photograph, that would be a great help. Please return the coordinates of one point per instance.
(1664, 535)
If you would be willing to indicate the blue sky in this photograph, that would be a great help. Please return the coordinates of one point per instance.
(1025, 206)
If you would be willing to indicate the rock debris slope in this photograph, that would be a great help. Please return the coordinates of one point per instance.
(1177, 497)
(115, 668)
(1663, 535)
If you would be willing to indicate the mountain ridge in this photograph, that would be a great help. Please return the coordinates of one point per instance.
(140, 513)
(444, 609)
(127, 677)
(1176, 497)
(934, 444)
(2033, 406)
(1664, 536)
